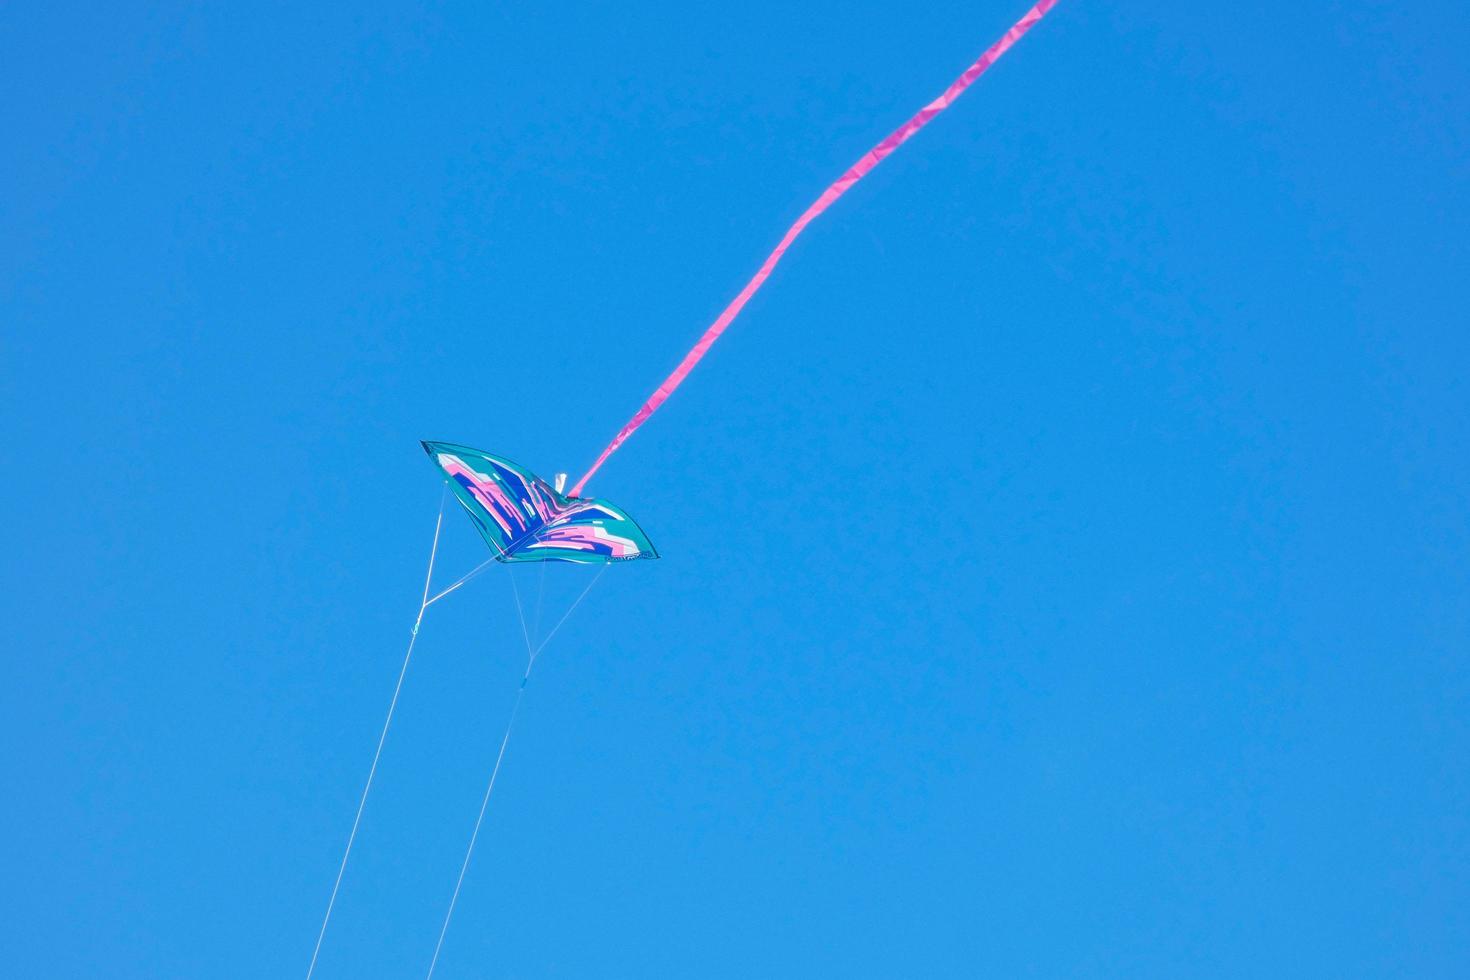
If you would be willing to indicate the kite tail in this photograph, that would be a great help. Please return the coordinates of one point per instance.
(854, 173)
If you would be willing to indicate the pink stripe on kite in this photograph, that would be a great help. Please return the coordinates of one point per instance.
(854, 173)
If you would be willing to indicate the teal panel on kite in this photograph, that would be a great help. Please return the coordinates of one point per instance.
(523, 518)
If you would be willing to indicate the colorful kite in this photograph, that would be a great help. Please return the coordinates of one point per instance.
(524, 519)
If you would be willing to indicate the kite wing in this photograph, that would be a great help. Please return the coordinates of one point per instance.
(523, 518)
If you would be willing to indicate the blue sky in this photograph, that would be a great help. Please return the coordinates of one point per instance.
(1065, 556)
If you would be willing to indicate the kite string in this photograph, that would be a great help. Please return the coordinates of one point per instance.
(532, 654)
(484, 803)
(383, 737)
(853, 174)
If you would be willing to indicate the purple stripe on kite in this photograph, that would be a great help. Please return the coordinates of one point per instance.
(854, 173)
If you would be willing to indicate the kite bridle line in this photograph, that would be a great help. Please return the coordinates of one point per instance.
(533, 652)
(383, 737)
(463, 579)
(502, 555)
(540, 597)
(836, 189)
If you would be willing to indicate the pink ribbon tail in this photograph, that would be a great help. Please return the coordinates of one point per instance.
(854, 173)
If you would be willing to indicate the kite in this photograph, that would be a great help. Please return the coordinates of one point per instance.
(524, 519)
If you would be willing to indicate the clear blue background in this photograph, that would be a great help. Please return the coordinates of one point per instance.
(1065, 556)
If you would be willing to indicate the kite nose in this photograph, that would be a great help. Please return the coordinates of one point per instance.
(561, 483)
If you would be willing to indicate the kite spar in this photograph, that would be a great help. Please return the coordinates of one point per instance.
(855, 173)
